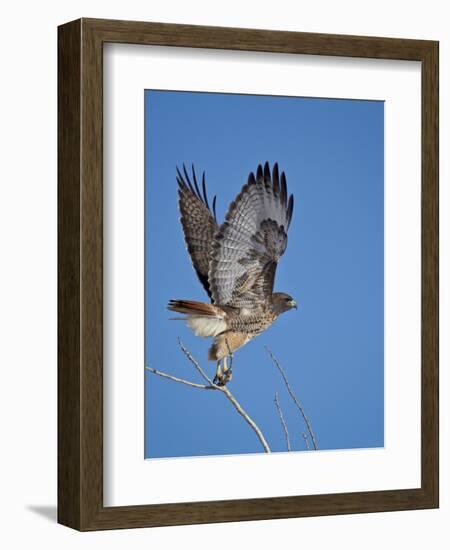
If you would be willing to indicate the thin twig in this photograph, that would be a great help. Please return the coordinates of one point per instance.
(212, 386)
(305, 437)
(180, 380)
(246, 417)
(283, 422)
(195, 363)
(294, 398)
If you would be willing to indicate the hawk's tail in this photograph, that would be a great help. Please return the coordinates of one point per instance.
(189, 307)
(204, 319)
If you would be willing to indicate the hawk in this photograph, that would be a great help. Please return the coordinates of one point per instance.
(235, 261)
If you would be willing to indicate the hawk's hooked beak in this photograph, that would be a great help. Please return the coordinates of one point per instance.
(293, 304)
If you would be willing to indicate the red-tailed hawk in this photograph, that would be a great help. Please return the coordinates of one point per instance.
(235, 261)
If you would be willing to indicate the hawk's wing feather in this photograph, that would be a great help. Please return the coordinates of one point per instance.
(198, 221)
(250, 242)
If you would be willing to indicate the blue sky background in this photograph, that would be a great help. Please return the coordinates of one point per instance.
(331, 347)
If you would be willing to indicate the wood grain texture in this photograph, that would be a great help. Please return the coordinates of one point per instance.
(80, 265)
(430, 273)
(69, 243)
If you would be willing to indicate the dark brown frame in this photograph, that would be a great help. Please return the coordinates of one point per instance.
(80, 272)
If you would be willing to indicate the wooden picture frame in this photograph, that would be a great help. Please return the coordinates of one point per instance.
(80, 272)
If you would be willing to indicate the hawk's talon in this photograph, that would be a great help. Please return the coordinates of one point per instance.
(223, 374)
(227, 376)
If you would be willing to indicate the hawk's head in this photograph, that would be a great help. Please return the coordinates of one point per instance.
(282, 302)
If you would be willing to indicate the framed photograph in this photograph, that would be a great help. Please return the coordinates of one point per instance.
(248, 274)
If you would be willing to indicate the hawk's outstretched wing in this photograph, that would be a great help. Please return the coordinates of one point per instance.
(198, 221)
(250, 242)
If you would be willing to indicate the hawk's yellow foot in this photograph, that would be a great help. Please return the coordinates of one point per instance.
(223, 373)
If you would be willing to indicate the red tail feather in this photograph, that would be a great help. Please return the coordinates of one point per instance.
(190, 307)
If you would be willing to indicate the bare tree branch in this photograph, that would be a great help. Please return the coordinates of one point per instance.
(180, 380)
(283, 422)
(212, 386)
(246, 417)
(294, 398)
(195, 363)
